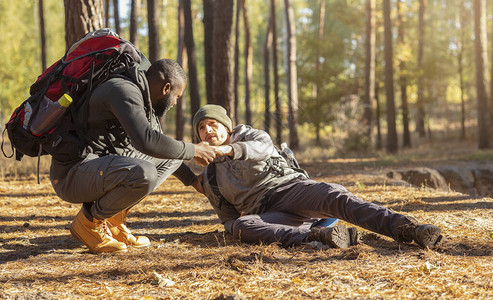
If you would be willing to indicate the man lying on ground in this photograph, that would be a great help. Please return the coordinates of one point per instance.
(259, 198)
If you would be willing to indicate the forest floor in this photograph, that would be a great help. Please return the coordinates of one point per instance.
(192, 257)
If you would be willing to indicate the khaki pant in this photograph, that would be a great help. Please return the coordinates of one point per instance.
(113, 183)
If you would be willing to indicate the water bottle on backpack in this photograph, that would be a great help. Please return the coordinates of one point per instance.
(289, 156)
(49, 113)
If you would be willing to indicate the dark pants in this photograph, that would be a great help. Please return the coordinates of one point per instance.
(113, 183)
(290, 206)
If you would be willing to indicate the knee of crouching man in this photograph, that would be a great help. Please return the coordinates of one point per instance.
(143, 176)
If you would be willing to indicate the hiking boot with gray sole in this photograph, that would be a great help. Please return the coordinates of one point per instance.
(337, 236)
(428, 236)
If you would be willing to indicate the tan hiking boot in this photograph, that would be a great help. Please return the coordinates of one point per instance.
(95, 234)
(121, 232)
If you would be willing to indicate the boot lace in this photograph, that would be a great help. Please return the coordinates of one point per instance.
(406, 233)
(406, 230)
(103, 228)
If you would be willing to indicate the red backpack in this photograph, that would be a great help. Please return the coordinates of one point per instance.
(87, 64)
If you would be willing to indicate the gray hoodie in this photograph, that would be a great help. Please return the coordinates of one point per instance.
(245, 179)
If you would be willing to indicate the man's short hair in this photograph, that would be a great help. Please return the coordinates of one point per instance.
(168, 70)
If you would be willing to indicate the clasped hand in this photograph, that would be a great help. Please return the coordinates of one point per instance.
(205, 154)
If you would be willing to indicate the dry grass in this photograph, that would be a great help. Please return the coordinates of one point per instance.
(40, 260)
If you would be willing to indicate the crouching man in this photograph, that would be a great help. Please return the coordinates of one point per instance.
(259, 198)
(130, 155)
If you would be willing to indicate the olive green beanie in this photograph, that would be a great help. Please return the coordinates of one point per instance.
(211, 111)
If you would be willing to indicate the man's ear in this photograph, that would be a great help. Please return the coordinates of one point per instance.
(167, 88)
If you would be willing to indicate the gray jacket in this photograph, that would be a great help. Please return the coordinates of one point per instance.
(247, 178)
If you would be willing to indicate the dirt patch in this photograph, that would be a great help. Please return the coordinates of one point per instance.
(40, 260)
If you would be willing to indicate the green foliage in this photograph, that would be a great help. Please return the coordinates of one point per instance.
(19, 41)
(20, 54)
(356, 141)
(339, 58)
(480, 155)
(341, 48)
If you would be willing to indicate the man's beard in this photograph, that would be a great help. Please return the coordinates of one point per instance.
(162, 106)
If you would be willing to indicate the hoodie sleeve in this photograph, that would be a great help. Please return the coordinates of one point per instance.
(252, 144)
(127, 104)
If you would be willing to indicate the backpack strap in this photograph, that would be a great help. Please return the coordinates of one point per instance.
(137, 76)
(11, 146)
(290, 159)
(211, 177)
(39, 159)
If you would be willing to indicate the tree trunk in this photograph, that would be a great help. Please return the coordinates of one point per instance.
(42, 35)
(321, 24)
(134, 22)
(369, 67)
(106, 13)
(153, 24)
(193, 84)
(208, 46)
(491, 81)
(481, 73)
(292, 75)
(377, 117)
(81, 17)
(391, 145)
(181, 59)
(267, 50)
(462, 100)
(460, 53)
(320, 35)
(154, 39)
(116, 16)
(239, 6)
(248, 64)
(405, 110)
(420, 118)
(222, 80)
(403, 81)
(277, 101)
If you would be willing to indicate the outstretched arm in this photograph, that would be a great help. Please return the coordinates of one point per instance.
(254, 145)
